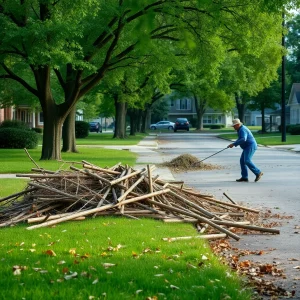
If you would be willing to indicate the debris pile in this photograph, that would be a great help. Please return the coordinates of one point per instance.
(54, 197)
(187, 162)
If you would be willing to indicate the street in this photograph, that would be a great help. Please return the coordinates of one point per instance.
(277, 191)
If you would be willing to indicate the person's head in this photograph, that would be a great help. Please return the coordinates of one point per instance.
(236, 124)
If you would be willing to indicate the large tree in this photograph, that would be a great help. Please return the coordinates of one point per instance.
(75, 43)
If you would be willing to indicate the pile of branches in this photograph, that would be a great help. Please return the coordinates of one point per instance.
(54, 197)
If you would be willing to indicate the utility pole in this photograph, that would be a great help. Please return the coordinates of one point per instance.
(283, 123)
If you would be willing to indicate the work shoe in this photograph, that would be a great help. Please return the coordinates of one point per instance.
(242, 179)
(258, 176)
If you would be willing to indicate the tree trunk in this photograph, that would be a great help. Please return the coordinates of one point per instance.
(200, 110)
(52, 132)
(68, 132)
(135, 116)
(120, 124)
(263, 123)
(241, 107)
(145, 119)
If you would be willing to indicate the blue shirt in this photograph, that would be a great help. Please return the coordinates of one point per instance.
(245, 138)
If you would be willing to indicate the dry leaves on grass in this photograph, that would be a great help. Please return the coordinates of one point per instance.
(255, 272)
(188, 162)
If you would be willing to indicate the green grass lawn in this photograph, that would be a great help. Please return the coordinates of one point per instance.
(9, 186)
(17, 161)
(106, 138)
(268, 138)
(90, 149)
(112, 258)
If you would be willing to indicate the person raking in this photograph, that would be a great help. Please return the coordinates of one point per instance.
(248, 143)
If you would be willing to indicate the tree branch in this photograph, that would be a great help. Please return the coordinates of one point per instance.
(13, 76)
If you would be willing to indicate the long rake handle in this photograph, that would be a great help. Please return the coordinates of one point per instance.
(213, 154)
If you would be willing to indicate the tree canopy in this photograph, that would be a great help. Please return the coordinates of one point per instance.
(60, 50)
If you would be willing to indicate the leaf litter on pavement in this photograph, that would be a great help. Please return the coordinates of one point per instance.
(188, 162)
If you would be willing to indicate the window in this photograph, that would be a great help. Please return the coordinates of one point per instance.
(183, 104)
(207, 119)
(40, 118)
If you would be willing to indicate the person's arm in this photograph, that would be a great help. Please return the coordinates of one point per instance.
(241, 138)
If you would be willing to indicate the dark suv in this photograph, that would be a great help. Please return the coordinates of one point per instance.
(95, 127)
(182, 123)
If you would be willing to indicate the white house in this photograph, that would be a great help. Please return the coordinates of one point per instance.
(294, 104)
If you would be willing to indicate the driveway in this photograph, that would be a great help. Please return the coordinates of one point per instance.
(277, 191)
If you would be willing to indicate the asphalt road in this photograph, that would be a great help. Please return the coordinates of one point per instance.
(278, 190)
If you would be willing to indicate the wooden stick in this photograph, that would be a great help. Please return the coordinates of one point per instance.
(70, 217)
(53, 217)
(90, 174)
(177, 220)
(229, 198)
(202, 219)
(250, 227)
(229, 204)
(150, 180)
(18, 194)
(122, 197)
(126, 176)
(52, 175)
(101, 169)
(205, 237)
(92, 211)
(143, 197)
(33, 160)
(43, 170)
(202, 210)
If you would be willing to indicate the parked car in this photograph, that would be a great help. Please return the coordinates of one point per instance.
(162, 125)
(182, 124)
(95, 127)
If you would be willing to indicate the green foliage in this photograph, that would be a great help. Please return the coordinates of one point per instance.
(81, 129)
(159, 110)
(16, 138)
(14, 124)
(193, 122)
(294, 130)
(216, 126)
(287, 128)
(38, 129)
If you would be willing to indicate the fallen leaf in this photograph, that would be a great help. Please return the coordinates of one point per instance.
(108, 265)
(73, 275)
(297, 267)
(50, 253)
(174, 287)
(72, 251)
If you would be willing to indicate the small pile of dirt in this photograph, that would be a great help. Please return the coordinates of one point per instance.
(187, 162)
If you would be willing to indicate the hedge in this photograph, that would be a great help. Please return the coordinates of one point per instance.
(16, 138)
(14, 124)
(81, 129)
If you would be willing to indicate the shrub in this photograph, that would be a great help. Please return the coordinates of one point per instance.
(81, 129)
(193, 122)
(38, 129)
(14, 124)
(287, 127)
(294, 130)
(216, 126)
(16, 138)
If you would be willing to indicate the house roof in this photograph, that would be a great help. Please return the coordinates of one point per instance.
(295, 91)
(278, 111)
